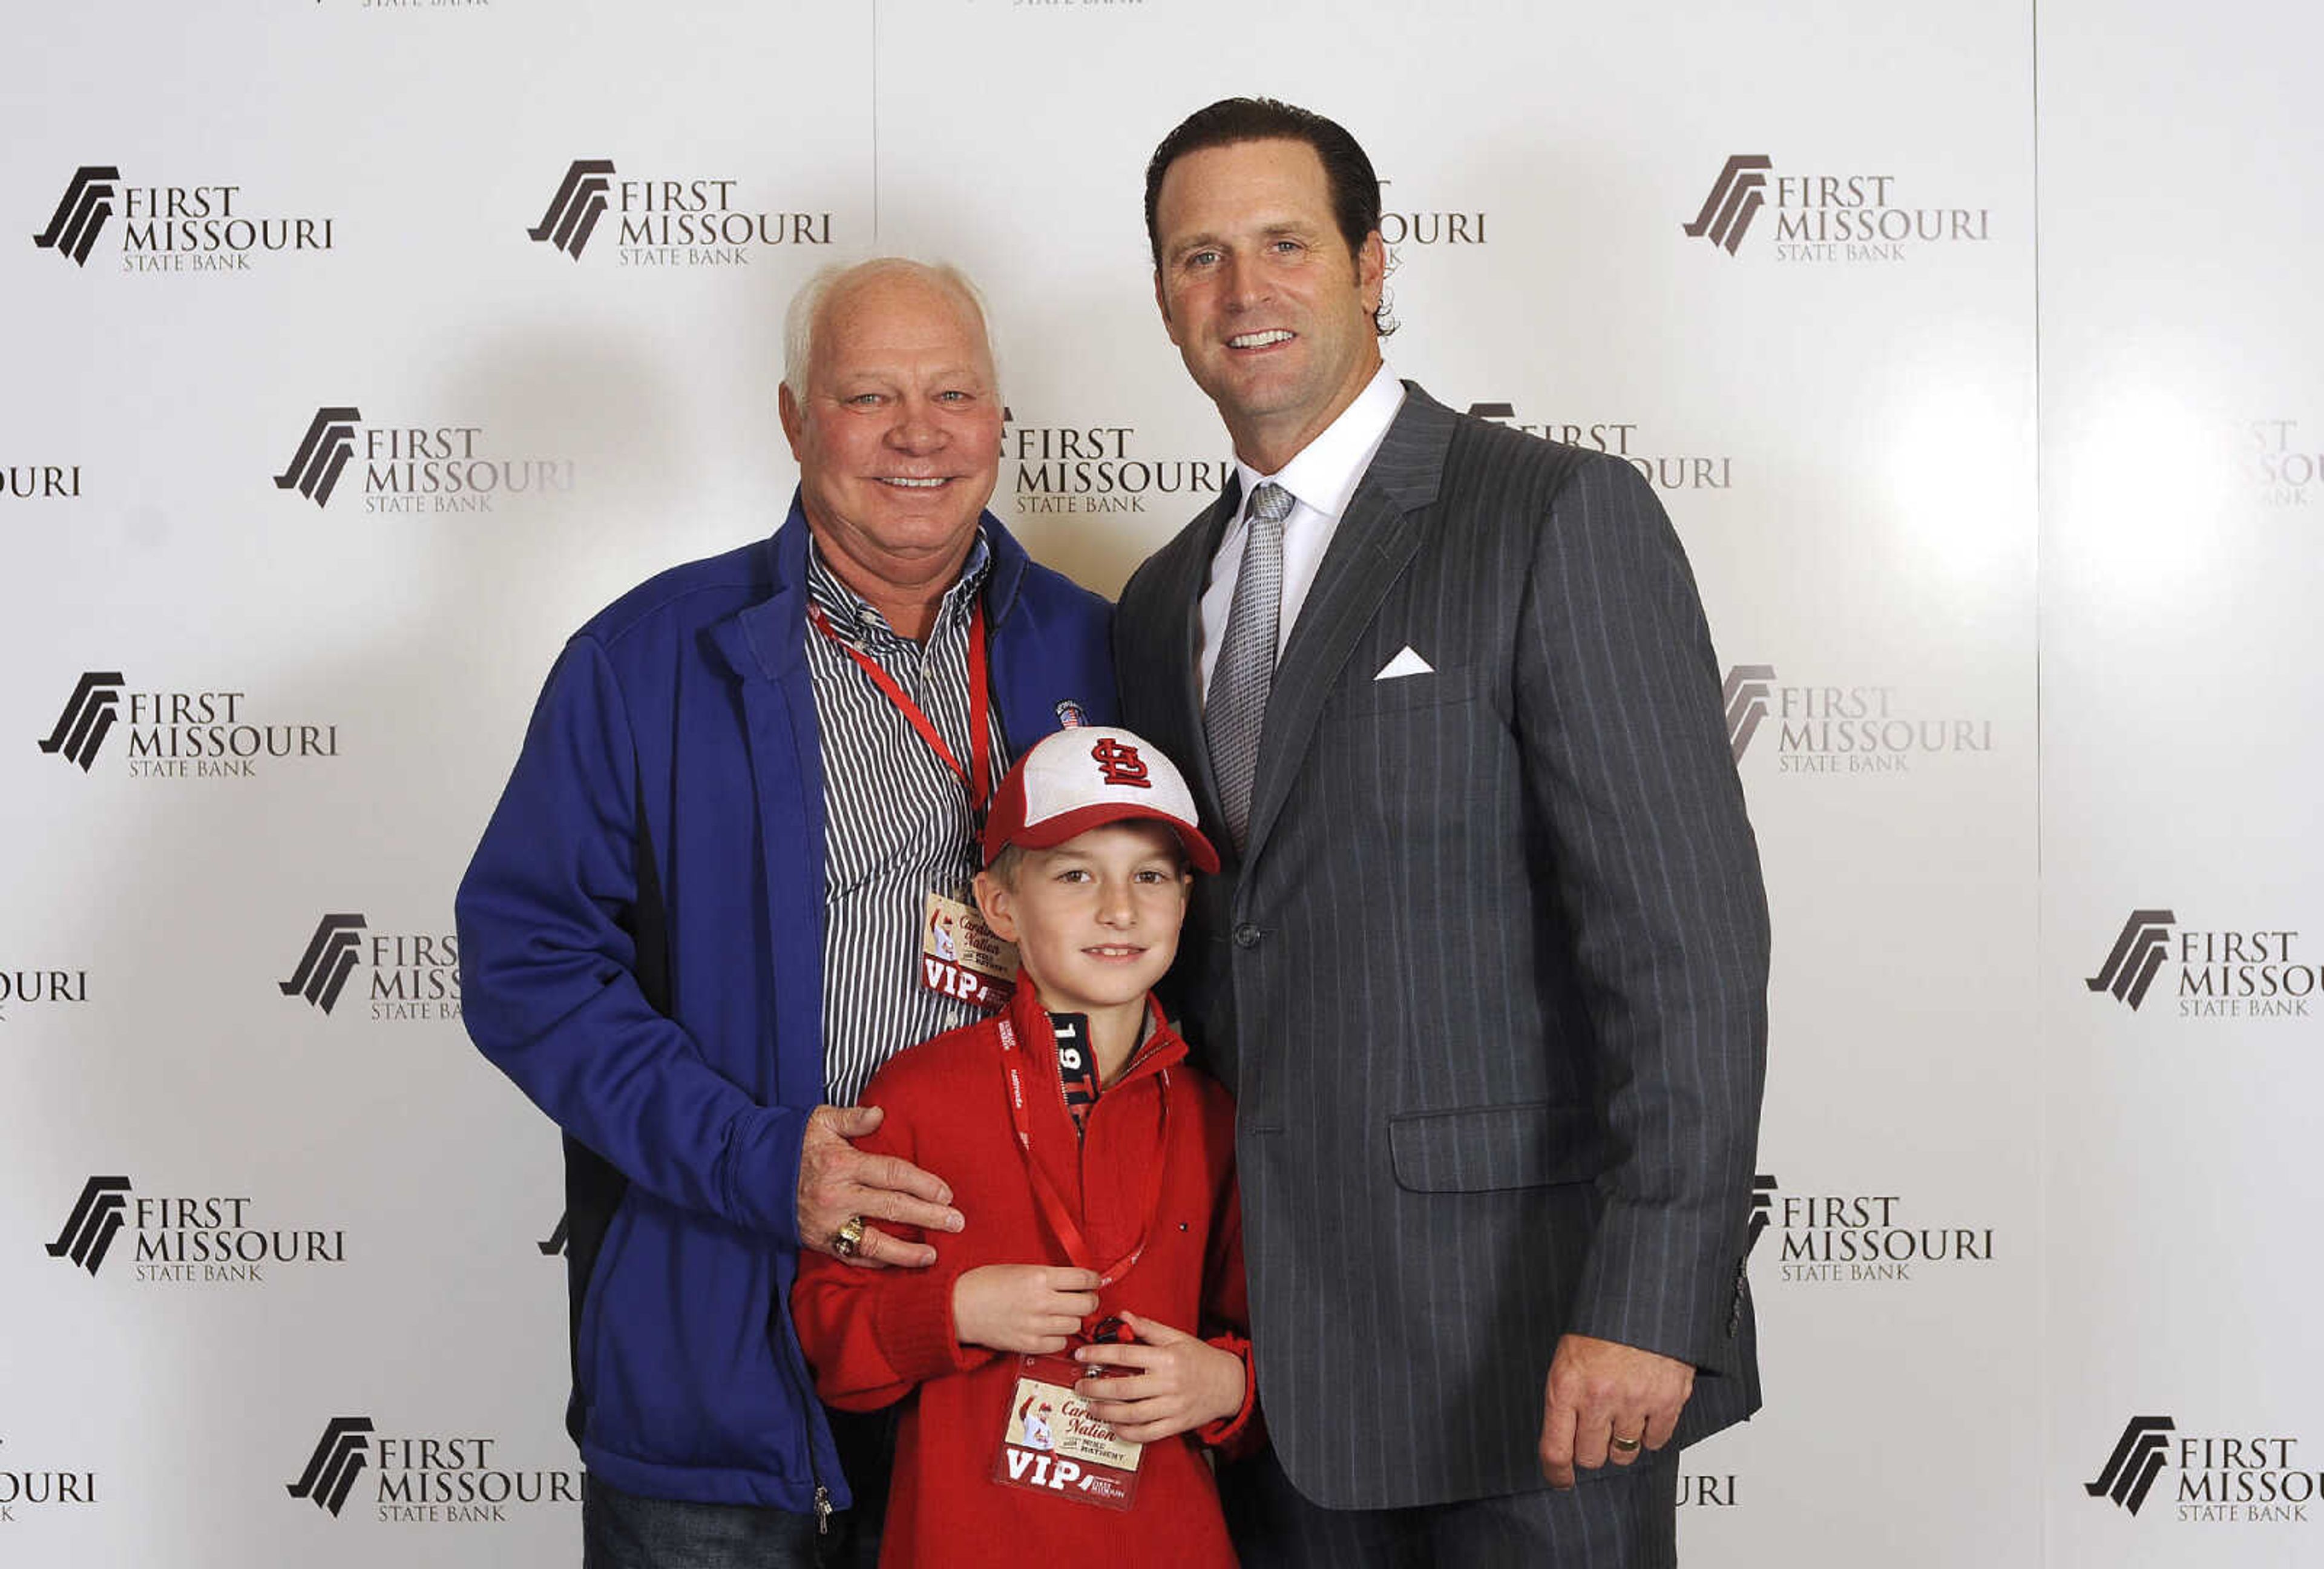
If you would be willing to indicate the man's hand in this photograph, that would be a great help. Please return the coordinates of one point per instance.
(1601, 1391)
(837, 1181)
(1022, 1307)
(1174, 1382)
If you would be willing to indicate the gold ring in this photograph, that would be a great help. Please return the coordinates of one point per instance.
(1627, 1446)
(849, 1238)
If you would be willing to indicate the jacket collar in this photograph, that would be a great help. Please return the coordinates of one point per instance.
(766, 642)
(1162, 1047)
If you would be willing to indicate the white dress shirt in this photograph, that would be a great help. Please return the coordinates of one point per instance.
(1321, 479)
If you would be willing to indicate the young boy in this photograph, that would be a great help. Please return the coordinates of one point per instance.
(1054, 1344)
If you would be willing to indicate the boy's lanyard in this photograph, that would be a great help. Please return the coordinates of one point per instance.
(979, 706)
(1051, 1203)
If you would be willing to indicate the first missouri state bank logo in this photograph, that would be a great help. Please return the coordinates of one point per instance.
(1735, 199)
(408, 467)
(322, 455)
(574, 211)
(668, 223)
(1763, 1201)
(88, 717)
(339, 1457)
(37, 1487)
(1831, 729)
(2137, 954)
(2137, 1460)
(1746, 694)
(412, 975)
(424, 1478)
(37, 988)
(80, 216)
(211, 732)
(1827, 217)
(186, 1238)
(1655, 463)
(1100, 468)
(96, 1218)
(206, 227)
(331, 955)
(2216, 973)
(2218, 1478)
(1856, 1236)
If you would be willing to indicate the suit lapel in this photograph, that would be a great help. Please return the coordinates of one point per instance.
(1189, 572)
(1375, 540)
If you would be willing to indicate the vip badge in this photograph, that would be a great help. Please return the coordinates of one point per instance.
(960, 957)
(1050, 1441)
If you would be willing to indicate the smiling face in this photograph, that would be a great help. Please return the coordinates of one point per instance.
(1271, 312)
(898, 435)
(1096, 919)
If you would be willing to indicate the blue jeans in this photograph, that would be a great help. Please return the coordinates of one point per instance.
(621, 1530)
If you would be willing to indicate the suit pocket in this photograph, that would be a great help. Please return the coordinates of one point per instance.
(1433, 689)
(1485, 1149)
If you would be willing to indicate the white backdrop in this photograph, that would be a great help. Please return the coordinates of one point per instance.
(1993, 434)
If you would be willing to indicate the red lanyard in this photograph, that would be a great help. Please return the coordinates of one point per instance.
(980, 705)
(1045, 1193)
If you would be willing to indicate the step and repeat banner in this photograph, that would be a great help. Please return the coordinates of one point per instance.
(359, 350)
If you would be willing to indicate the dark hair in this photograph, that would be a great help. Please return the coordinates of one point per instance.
(1355, 187)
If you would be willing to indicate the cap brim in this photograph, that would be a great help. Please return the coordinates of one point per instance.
(1052, 832)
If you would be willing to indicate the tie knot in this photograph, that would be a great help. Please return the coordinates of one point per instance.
(1270, 503)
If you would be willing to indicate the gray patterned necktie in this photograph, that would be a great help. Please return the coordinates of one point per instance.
(1237, 707)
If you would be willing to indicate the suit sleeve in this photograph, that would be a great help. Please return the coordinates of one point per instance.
(1618, 713)
(874, 1336)
(548, 972)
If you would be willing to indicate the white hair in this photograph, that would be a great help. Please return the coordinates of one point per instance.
(805, 310)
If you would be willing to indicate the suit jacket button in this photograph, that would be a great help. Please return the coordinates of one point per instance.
(1246, 935)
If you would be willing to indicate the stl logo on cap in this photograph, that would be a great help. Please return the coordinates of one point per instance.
(1122, 763)
(1054, 793)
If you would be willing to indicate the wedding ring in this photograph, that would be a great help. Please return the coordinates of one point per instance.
(1626, 1446)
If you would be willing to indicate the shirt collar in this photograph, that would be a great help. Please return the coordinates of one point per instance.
(1323, 474)
(856, 619)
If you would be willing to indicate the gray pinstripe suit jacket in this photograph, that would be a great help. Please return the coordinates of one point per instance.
(1490, 984)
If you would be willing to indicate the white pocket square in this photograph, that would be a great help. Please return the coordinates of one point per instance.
(1407, 663)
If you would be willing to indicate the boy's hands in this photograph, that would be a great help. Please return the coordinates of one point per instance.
(1022, 1307)
(1172, 1382)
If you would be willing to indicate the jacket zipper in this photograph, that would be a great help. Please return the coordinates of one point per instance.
(791, 1357)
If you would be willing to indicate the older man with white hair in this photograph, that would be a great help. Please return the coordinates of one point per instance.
(698, 920)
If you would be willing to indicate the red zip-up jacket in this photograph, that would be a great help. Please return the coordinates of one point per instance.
(877, 1336)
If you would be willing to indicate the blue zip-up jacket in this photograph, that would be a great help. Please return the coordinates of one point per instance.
(641, 951)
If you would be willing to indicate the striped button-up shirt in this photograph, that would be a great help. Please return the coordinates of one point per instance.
(898, 824)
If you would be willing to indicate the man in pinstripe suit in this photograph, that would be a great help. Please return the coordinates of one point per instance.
(1486, 968)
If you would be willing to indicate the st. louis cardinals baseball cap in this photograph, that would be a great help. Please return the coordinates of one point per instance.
(1075, 780)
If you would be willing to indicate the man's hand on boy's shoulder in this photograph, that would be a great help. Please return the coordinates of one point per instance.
(839, 1183)
(1033, 1308)
(1169, 1382)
